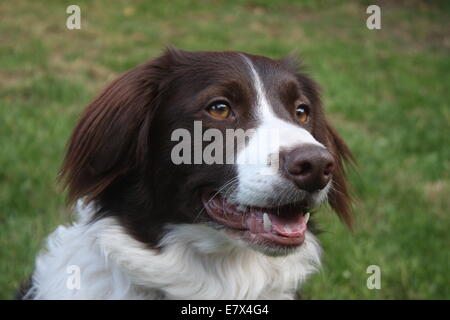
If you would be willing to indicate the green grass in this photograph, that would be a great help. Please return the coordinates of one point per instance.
(386, 91)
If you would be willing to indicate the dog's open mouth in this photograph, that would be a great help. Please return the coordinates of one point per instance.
(283, 226)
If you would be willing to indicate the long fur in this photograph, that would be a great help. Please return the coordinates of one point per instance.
(194, 263)
(141, 230)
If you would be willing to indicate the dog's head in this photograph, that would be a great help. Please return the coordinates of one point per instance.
(230, 140)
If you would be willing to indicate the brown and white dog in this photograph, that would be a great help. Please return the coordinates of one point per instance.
(149, 227)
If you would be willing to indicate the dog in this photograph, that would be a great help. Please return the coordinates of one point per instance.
(150, 227)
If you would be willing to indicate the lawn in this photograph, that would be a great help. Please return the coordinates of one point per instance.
(387, 92)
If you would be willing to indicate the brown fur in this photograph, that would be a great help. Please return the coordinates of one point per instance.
(118, 157)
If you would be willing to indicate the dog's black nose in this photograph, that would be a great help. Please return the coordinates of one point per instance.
(310, 166)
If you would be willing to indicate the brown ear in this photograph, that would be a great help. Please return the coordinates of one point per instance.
(339, 197)
(111, 137)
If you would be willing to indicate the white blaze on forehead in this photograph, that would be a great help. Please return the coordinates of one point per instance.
(290, 134)
(260, 182)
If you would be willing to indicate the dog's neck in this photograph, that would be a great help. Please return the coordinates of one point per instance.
(193, 261)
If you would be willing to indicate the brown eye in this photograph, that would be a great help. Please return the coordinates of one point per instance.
(302, 112)
(219, 110)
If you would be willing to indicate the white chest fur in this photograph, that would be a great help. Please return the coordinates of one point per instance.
(195, 262)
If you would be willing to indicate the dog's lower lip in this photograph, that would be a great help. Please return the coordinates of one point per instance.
(285, 226)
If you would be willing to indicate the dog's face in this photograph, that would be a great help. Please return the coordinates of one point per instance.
(275, 157)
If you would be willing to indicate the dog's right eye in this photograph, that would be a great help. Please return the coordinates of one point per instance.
(219, 110)
(302, 113)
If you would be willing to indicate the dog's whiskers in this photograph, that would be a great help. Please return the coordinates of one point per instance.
(226, 184)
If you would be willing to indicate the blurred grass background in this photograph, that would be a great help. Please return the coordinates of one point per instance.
(387, 91)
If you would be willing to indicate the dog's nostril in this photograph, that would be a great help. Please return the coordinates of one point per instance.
(305, 168)
(299, 168)
(328, 169)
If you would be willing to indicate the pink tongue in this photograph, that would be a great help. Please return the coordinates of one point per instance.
(289, 228)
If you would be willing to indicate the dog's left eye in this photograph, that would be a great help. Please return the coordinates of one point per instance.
(219, 110)
(302, 112)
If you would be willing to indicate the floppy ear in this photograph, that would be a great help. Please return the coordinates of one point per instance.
(339, 197)
(111, 137)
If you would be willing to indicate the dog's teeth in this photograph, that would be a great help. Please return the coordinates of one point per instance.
(307, 217)
(267, 222)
